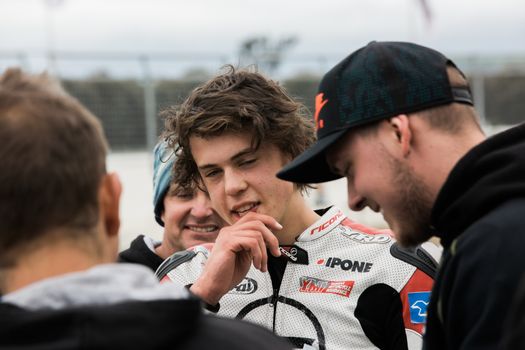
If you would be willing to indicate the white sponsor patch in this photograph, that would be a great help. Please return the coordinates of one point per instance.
(366, 238)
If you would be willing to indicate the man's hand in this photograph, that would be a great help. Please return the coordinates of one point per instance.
(236, 247)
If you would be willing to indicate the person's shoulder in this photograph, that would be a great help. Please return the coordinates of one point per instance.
(225, 333)
(136, 245)
(197, 254)
(168, 323)
(499, 229)
(424, 257)
(140, 253)
(182, 321)
(361, 233)
(508, 215)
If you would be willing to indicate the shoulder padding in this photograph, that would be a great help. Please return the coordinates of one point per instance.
(173, 261)
(416, 256)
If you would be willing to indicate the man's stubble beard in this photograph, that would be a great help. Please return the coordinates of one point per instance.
(415, 206)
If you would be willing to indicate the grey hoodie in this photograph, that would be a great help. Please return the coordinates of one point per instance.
(100, 285)
(119, 306)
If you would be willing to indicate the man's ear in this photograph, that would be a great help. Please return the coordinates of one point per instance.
(110, 191)
(403, 132)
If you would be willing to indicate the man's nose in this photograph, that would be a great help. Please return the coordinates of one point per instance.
(202, 206)
(355, 201)
(234, 182)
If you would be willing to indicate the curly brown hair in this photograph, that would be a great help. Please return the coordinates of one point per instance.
(238, 100)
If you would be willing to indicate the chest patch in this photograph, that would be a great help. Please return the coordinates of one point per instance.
(316, 285)
(247, 286)
(418, 302)
(346, 264)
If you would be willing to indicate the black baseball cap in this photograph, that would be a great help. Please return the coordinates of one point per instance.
(378, 81)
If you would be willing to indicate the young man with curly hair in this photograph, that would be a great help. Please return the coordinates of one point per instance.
(315, 277)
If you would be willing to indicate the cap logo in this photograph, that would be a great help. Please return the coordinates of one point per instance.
(319, 104)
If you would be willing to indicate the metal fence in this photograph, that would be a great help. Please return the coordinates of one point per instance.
(127, 91)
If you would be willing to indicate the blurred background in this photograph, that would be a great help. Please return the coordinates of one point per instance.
(126, 60)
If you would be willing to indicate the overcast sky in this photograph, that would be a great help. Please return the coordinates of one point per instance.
(327, 28)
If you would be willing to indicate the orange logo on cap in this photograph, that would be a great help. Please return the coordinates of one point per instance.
(319, 104)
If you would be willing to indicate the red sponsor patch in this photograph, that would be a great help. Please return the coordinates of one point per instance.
(326, 224)
(316, 285)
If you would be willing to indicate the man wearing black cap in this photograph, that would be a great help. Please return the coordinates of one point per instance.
(396, 119)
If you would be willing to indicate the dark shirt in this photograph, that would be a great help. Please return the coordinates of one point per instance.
(478, 215)
(139, 253)
(161, 324)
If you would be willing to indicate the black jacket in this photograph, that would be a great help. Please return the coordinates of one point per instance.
(514, 328)
(479, 216)
(162, 324)
(139, 253)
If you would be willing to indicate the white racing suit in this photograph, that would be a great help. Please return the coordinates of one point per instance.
(342, 288)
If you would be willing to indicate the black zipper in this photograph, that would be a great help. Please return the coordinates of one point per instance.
(274, 301)
(276, 270)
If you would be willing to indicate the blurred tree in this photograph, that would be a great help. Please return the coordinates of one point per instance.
(198, 74)
(99, 74)
(119, 104)
(266, 55)
(505, 99)
(303, 87)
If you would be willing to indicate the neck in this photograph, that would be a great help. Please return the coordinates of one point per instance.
(167, 247)
(48, 260)
(446, 151)
(298, 218)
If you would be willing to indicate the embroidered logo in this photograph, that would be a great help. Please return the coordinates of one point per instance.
(346, 264)
(418, 302)
(247, 286)
(316, 285)
(294, 254)
(319, 104)
(366, 238)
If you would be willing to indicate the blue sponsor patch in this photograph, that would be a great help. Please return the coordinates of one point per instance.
(418, 306)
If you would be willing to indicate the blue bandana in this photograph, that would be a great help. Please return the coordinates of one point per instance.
(164, 157)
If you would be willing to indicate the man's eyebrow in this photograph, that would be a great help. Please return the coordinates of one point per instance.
(236, 156)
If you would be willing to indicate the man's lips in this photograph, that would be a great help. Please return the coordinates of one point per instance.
(245, 208)
(202, 228)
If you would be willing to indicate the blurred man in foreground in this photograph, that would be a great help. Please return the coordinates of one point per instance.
(59, 221)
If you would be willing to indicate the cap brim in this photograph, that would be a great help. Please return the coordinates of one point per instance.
(311, 165)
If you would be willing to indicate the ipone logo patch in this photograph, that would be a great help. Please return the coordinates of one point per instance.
(346, 265)
(316, 285)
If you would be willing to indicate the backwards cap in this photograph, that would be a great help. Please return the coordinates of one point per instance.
(378, 81)
(164, 157)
